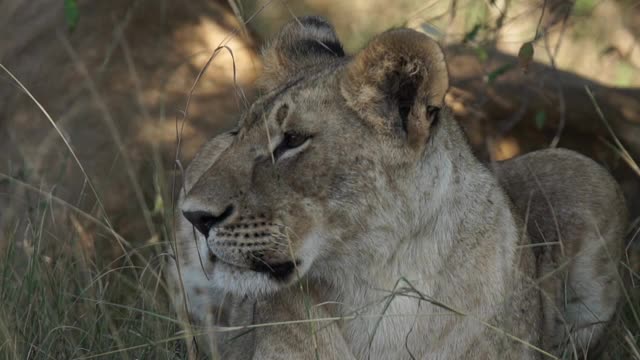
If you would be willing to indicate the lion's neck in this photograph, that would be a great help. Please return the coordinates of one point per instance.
(426, 237)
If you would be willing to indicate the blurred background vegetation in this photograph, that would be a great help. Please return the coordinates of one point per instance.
(82, 249)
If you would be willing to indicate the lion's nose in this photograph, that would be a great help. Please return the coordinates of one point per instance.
(205, 220)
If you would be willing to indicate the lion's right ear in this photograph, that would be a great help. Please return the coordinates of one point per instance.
(397, 84)
(300, 45)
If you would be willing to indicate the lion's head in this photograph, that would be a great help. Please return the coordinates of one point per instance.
(328, 151)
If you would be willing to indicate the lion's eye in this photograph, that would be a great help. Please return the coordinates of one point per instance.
(290, 141)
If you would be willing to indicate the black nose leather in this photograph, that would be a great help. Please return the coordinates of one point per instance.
(203, 221)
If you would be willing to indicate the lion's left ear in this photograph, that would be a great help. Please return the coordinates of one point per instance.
(397, 84)
(300, 45)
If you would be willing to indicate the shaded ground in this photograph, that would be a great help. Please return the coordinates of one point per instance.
(115, 87)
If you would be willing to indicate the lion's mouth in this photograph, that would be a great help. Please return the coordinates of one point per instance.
(278, 271)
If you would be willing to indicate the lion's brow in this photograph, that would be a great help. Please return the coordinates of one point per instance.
(264, 104)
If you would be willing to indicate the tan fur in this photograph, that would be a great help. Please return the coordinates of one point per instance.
(380, 216)
(576, 218)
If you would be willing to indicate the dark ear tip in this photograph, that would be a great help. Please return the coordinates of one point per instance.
(314, 20)
(308, 37)
(301, 43)
(309, 27)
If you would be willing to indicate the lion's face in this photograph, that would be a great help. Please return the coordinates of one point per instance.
(290, 175)
(307, 168)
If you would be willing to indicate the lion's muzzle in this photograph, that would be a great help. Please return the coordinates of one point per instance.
(249, 242)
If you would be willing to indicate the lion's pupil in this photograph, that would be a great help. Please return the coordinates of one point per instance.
(293, 140)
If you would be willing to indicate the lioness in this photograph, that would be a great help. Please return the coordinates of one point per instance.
(349, 193)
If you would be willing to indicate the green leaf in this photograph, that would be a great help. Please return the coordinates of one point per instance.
(71, 14)
(525, 55)
(471, 35)
(492, 76)
(482, 54)
(540, 119)
(584, 7)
